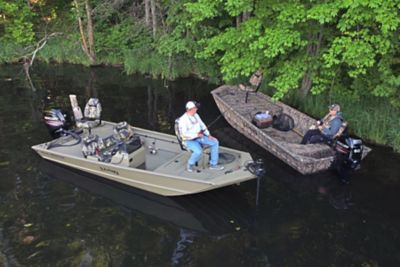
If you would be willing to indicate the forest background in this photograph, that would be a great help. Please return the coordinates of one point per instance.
(312, 52)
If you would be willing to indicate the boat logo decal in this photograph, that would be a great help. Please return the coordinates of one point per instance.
(104, 169)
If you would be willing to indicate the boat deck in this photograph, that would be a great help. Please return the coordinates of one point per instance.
(290, 140)
(162, 154)
(235, 98)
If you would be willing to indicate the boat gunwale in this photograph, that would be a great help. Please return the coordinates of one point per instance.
(129, 169)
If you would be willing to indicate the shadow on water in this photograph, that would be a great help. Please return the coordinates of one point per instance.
(217, 212)
(326, 185)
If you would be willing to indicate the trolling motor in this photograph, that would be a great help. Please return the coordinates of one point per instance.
(348, 156)
(258, 169)
(57, 122)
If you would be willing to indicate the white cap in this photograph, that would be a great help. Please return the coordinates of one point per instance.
(190, 105)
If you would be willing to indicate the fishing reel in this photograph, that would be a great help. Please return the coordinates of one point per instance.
(256, 167)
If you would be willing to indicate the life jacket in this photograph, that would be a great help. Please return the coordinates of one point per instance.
(343, 126)
(93, 109)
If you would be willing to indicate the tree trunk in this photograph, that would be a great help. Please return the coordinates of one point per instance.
(87, 48)
(313, 48)
(306, 83)
(245, 16)
(81, 30)
(238, 20)
(154, 16)
(92, 51)
(147, 12)
(242, 18)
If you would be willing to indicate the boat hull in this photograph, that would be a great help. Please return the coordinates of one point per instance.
(170, 180)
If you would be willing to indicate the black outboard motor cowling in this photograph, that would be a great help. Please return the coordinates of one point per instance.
(56, 122)
(349, 151)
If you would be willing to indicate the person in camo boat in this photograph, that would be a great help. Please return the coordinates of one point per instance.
(195, 136)
(326, 129)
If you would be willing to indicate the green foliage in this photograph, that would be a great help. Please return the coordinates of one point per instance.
(16, 18)
(356, 36)
(348, 49)
(370, 118)
(287, 78)
(64, 49)
(9, 52)
(115, 40)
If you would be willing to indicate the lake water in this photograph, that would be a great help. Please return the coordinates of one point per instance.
(52, 216)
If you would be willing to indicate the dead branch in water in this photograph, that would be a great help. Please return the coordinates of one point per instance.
(30, 57)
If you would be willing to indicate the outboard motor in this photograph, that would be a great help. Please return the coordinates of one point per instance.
(348, 156)
(56, 122)
(351, 152)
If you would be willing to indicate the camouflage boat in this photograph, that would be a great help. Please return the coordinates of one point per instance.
(145, 159)
(240, 108)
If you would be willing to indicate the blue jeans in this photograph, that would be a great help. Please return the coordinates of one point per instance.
(196, 146)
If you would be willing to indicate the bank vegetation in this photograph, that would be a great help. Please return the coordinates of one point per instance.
(311, 52)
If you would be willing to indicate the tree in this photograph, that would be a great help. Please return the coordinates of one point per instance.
(16, 21)
(87, 39)
(302, 45)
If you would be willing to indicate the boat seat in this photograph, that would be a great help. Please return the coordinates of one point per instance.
(255, 84)
(92, 113)
(206, 148)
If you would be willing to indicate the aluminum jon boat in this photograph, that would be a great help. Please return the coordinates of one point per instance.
(285, 145)
(147, 160)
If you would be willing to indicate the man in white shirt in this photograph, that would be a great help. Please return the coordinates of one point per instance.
(195, 135)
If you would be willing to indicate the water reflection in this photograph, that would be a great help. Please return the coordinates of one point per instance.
(205, 213)
(56, 217)
(186, 237)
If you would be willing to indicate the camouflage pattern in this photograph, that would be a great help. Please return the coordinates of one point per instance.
(306, 159)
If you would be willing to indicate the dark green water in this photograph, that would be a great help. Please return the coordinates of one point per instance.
(52, 216)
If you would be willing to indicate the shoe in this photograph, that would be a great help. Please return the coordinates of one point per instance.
(189, 168)
(217, 167)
